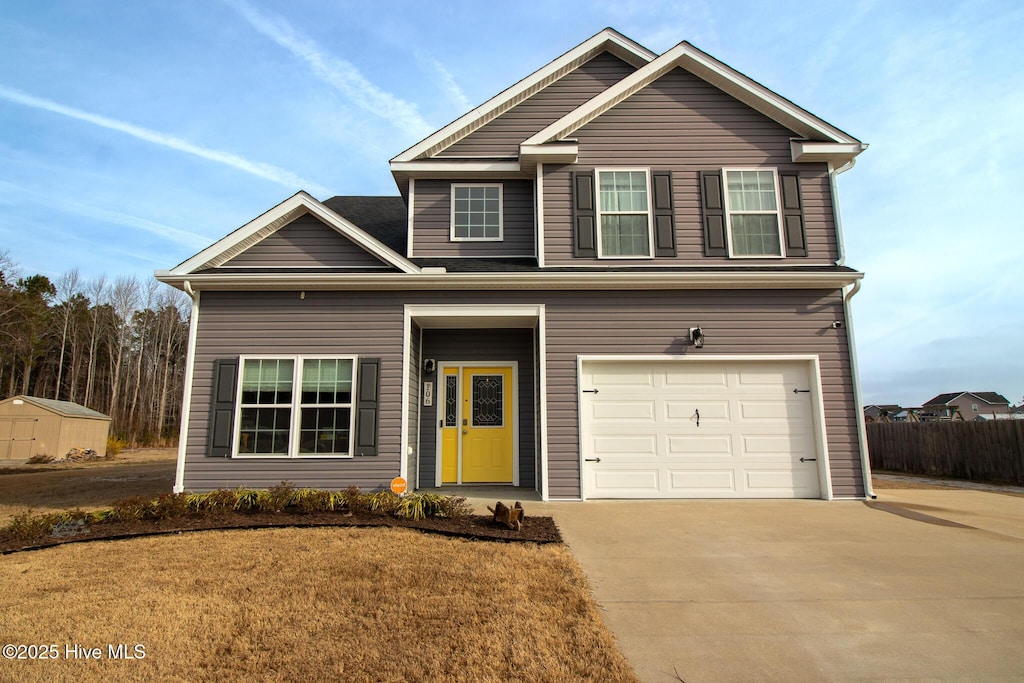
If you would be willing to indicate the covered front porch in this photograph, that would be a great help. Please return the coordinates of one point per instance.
(474, 401)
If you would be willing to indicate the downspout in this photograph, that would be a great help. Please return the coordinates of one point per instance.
(858, 404)
(832, 173)
(186, 401)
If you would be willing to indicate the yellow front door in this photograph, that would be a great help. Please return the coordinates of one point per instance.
(477, 407)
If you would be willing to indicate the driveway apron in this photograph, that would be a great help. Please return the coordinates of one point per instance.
(809, 590)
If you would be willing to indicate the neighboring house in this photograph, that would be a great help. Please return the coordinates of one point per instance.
(968, 405)
(31, 426)
(621, 277)
(882, 413)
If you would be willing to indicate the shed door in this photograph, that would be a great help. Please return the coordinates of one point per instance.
(684, 429)
(16, 438)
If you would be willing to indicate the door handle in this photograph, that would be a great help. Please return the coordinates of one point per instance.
(808, 460)
(593, 459)
(465, 431)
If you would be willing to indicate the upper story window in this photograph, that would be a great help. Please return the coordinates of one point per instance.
(476, 212)
(752, 211)
(624, 219)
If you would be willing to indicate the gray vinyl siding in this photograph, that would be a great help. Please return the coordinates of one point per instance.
(448, 346)
(306, 243)
(747, 322)
(432, 221)
(235, 323)
(682, 124)
(501, 137)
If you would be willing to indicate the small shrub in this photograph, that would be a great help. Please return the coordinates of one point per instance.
(130, 508)
(453, 507)
(40, 459)
(250, 500)
(170, 506)
(27, 527)
(309, 501)
(353, 500)
(384, 501)
(215, 502)
(115, 446)
(281, 496)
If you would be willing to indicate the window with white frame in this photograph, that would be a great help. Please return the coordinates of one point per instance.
(624, 220)
(752, 208)
(276, 420)
(476, 212)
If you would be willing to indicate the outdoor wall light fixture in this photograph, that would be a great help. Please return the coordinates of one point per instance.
(697, 337)
(836, 324)
(429, 366)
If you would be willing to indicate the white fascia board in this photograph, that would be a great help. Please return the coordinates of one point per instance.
(839, 153)
(708, 68)
(266, 224)
(608, 39)
(434, 168)
(512, 281)
(551, 153)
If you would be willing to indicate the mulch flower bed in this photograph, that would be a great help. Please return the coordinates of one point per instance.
(476, 527)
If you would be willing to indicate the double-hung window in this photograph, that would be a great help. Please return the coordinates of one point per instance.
(298, 406)
(624, 218)
(476, 212)
(752, 210)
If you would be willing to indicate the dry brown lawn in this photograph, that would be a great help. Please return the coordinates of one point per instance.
(145, 472)
(308, 605)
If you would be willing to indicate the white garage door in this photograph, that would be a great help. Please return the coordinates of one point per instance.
(697, 429)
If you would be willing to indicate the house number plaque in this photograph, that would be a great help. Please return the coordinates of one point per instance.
(428, 394)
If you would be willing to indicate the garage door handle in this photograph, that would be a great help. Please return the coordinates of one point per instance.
(808, 460)
(590, 391)
(593, 459)
(801, 391)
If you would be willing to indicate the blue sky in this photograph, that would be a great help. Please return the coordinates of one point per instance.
(133, 134)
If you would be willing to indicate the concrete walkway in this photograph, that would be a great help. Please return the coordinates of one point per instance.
(916, 585)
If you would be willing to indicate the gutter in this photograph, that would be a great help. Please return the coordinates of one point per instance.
(832, 173)
(186, 402)
(508, 281)
(858, 403)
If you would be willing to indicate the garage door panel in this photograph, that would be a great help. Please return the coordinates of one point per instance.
(630, 446)
(695, 483)
(643, 483)
(781, 411)
(702, 379)
(710, 410)
(624, 411)
(752, 431)
(778, 481)
(792, 446)
(695, 447)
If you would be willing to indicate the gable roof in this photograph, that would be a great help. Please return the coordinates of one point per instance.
(65, 408)
(990, 397)
(386, 218)
(750, 92)
(284, 213)
(607, 40)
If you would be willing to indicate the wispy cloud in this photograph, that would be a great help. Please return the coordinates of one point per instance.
(261, 170)
(338, 73)
(448, 83)
(57, 203)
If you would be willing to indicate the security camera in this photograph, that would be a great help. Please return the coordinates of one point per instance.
(836, 324)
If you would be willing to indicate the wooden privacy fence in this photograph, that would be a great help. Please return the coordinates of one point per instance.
(976, 451)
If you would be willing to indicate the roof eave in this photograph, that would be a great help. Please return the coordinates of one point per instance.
(433, 280)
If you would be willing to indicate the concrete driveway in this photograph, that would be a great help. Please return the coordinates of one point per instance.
(917, 585)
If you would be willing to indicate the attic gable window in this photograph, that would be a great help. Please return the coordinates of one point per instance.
(476, 212)
(752, 211)
(624, 218)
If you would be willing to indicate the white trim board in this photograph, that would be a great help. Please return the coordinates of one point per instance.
(268, 223)
(606, 40)
(716, 73)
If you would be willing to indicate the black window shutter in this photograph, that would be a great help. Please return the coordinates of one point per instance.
(583, 215)
(367, 407)
(714, 213)
(664, 215)
(793, 214)
(222, 408)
